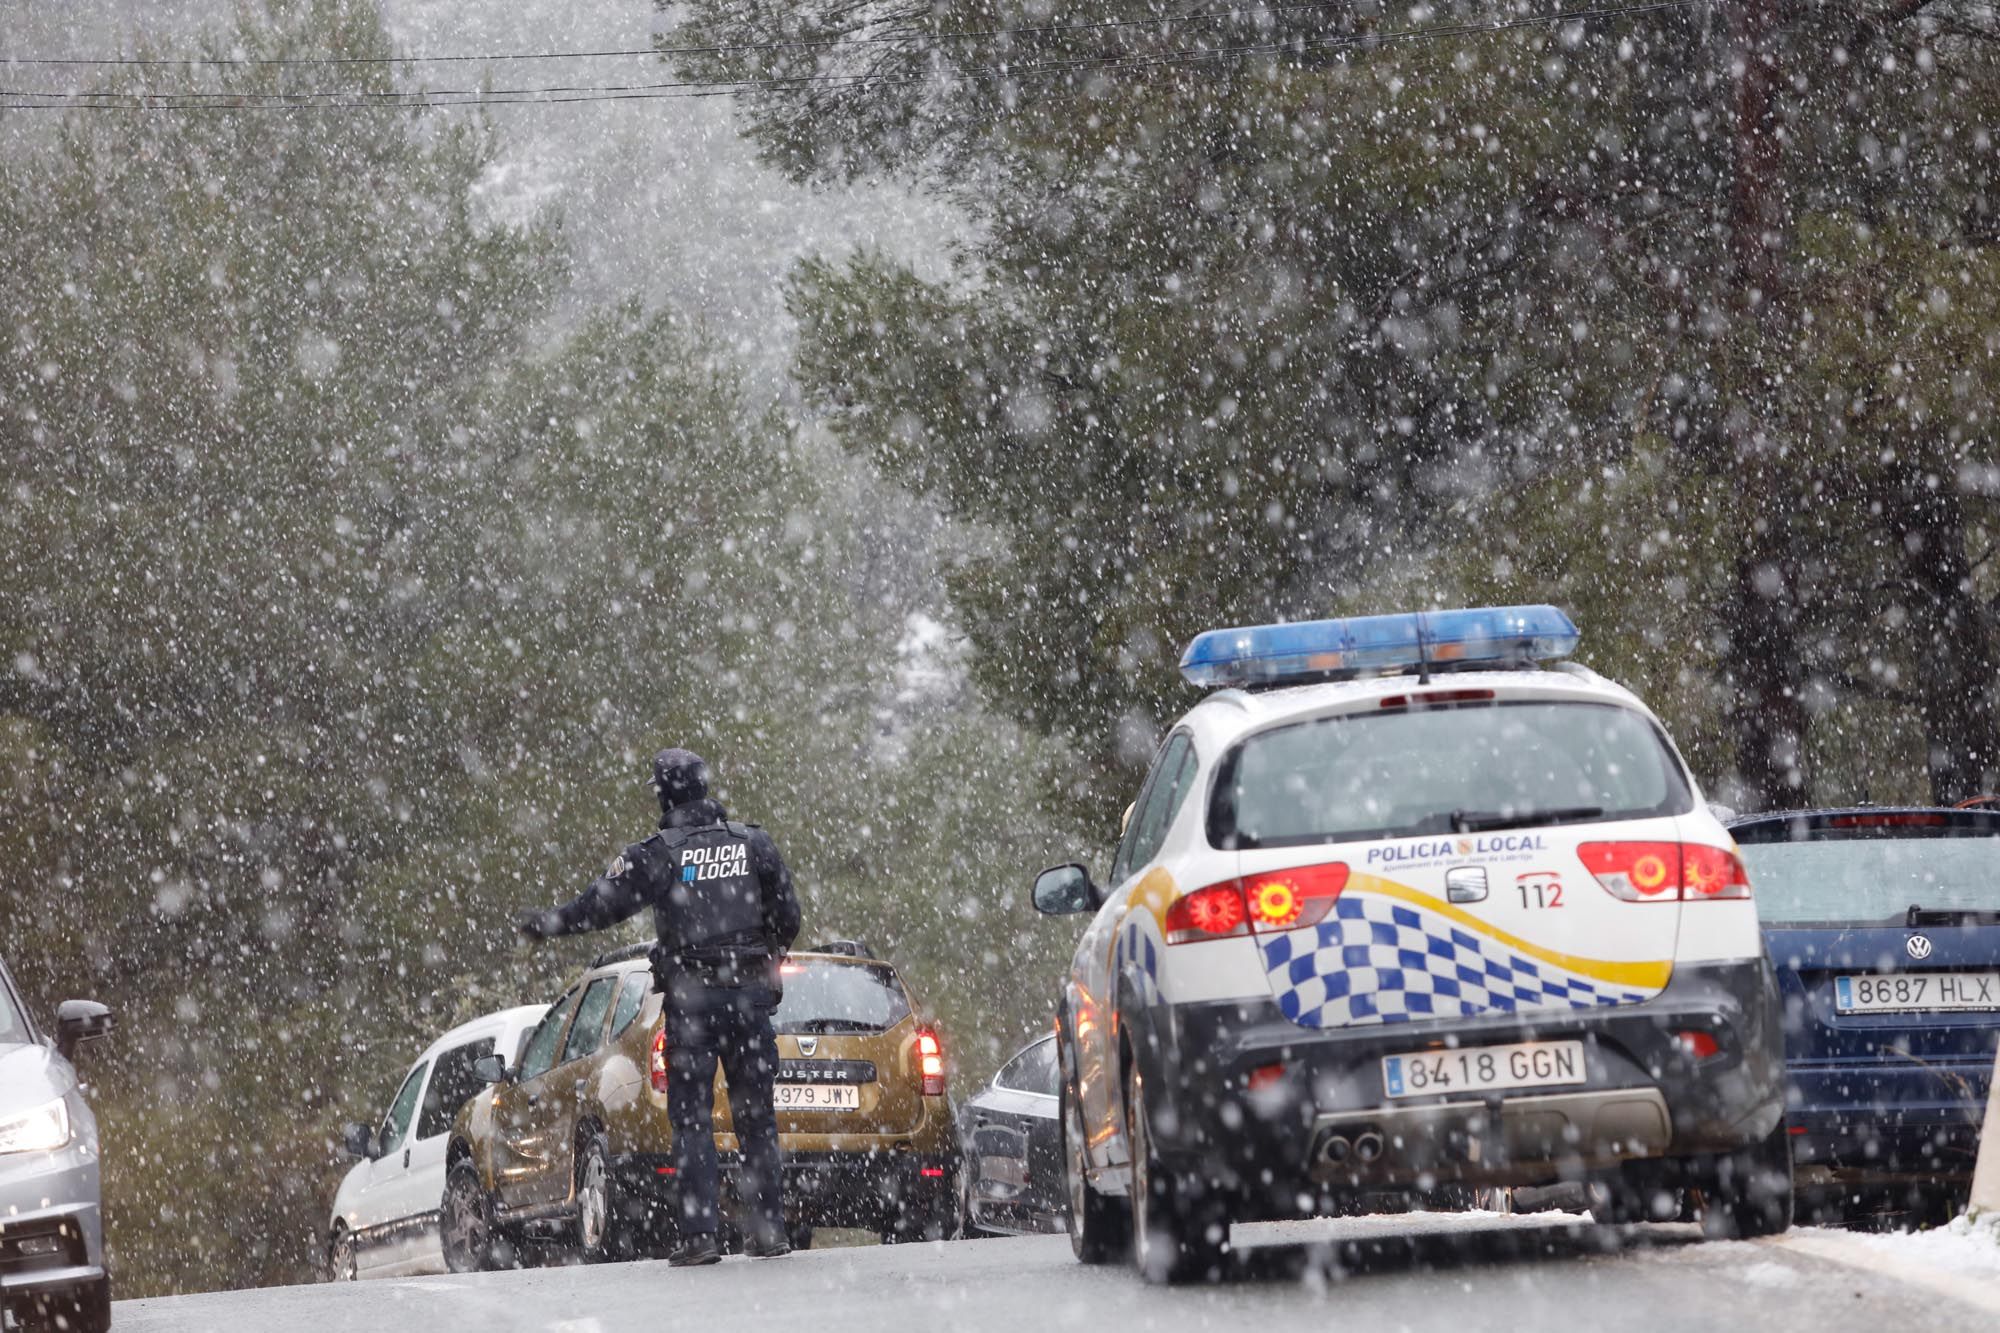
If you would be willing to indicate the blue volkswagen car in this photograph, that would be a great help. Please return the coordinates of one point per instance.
(1884, 925)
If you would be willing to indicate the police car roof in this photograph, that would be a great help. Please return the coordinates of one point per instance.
(1230, 713)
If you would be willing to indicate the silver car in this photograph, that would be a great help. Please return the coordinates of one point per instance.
(51, 1217)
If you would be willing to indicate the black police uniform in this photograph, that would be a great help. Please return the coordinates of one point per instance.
(724, 911)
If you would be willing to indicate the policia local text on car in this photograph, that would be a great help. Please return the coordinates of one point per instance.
(725, 913)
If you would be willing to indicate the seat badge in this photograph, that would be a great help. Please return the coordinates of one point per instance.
(808, 1046)
(1465, 884)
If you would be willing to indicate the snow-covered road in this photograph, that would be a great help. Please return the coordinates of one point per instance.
(1442, 1273)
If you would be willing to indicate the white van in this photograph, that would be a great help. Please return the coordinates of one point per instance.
(385, 1213)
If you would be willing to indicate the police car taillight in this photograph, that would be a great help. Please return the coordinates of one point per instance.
(1273, 900)
(1213, 913)
(1289, 899)
(658, 1063)
(1665, 872)
(930, 1063)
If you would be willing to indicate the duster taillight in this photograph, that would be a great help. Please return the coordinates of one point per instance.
(930, 1063)
(657, 1065)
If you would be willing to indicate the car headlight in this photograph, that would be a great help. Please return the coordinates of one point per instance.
(44, 1129)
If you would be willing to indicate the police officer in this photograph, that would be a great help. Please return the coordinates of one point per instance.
(725, 913)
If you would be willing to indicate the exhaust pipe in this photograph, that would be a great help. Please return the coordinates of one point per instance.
(1368, 1147)
(1335, 1150)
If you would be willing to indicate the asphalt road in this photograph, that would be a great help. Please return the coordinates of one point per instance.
(1420, 1274)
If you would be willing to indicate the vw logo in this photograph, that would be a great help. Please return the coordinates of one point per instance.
(809, 1046)
(1918, 947)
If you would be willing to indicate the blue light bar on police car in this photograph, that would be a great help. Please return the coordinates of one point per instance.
(1270, 654)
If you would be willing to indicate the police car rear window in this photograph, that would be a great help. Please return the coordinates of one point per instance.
(1397, 773)
(839, 997)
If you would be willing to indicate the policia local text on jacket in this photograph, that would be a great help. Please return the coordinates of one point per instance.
(725, 913)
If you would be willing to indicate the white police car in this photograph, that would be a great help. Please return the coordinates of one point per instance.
(1401, 907)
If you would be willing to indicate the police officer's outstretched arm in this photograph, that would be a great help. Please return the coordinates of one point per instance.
(611, 898)
(781, 904)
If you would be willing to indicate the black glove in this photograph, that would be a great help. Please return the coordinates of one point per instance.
(536, 926)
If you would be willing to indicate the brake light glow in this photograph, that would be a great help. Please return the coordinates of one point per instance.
(1274, 902)
(1665, 872)
(930, 1063)
(1213, 913)
(1435, 698)
(931, 1172)
(1697, 1045)
(1709, 873)
(657, 1065)
(1289, 899)
(1270, 900)
(1888, 821)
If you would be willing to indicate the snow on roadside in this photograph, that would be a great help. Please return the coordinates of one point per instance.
(1964, 1246)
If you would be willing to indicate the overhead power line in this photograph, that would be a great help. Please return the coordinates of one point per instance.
(1032, 70)
(720, 48)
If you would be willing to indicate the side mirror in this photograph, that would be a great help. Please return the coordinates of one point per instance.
(490, 1069)
(79, 1021)
(359, 1141)
(1064, 890)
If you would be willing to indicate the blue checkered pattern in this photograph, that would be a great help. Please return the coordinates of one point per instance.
(1378, 960)
(1136, 946)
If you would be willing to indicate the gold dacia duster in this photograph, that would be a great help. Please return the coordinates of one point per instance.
(572, 1146)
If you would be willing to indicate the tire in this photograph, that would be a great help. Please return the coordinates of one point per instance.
(1180, 1229)
(968, 1225)
(1752, 1193)
(602, 1235)
(340, 1261)
(921, 1221)
(1622, 1198)
(1100, 1228)
(85, 1309)
(800, 1235)
(467, 1231)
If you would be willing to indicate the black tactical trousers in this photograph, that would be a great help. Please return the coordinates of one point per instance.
(730, 1024)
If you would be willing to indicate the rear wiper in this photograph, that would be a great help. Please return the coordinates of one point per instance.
(829, 1025)
(1918, 917)
(1482, 821)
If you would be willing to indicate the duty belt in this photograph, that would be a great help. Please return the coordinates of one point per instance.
(722, 966)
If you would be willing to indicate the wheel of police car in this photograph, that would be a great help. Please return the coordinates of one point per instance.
(1179, 1232)
(1752, 1194)
(1100, 1228)
(466, 1227)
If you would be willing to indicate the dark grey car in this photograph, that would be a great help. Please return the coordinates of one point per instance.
(1013, 1180)
(51, 1216)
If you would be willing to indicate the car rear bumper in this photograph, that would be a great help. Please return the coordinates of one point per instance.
(1885, 1121)
(858, 1189)
(1641, 1096)
(1016, 1218)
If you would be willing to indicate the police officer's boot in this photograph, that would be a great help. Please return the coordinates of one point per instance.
(767, 1244)
(694, 1250)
